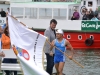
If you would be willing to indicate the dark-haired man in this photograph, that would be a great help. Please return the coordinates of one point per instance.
(50, 33)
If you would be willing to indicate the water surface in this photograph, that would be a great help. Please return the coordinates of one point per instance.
(89, 58)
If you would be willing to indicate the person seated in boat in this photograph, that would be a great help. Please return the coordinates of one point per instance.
(94, 18)
(60, 44)
(6, 44)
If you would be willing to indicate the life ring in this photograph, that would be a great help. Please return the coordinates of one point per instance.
(81, 10)
(89, 42)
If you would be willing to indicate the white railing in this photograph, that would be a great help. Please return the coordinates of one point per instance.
(4, 0)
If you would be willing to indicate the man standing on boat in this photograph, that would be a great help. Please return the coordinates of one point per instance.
(60, 44)
(50, 33)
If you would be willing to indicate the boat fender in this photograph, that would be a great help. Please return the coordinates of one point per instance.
(89, 42)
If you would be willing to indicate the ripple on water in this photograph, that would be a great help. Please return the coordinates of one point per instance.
(89, 58)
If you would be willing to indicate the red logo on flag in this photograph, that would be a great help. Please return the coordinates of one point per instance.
(25, 54)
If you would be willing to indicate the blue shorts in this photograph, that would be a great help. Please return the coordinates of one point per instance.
(59, 58)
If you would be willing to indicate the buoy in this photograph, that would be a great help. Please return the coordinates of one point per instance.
(89, 42)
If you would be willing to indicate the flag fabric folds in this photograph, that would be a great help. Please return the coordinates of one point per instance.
(28, 46)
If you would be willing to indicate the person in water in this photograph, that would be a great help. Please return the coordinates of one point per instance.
(59, 58)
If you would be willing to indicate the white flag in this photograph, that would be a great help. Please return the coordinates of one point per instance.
(28, 47)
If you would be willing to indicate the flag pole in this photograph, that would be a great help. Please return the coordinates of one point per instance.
(19, 21)
(68, 56)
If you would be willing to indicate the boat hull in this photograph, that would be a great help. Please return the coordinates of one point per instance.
(80, 43)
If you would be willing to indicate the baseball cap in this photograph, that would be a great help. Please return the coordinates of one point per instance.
(60, 31)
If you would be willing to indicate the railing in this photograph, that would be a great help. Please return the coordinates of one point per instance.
(43, 0)
(4, 0)
(21, 0)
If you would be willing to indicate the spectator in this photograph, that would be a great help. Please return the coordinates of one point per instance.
(3, 13)
(99, 16)
(84, 10)
(6, 44)
(94, 18)
(8, 10)
(96, 13)
(50, 33)
(91, 14)
(86, 16)
(76, 15)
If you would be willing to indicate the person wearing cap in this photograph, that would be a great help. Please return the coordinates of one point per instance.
(59, 58)
(50, 33)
